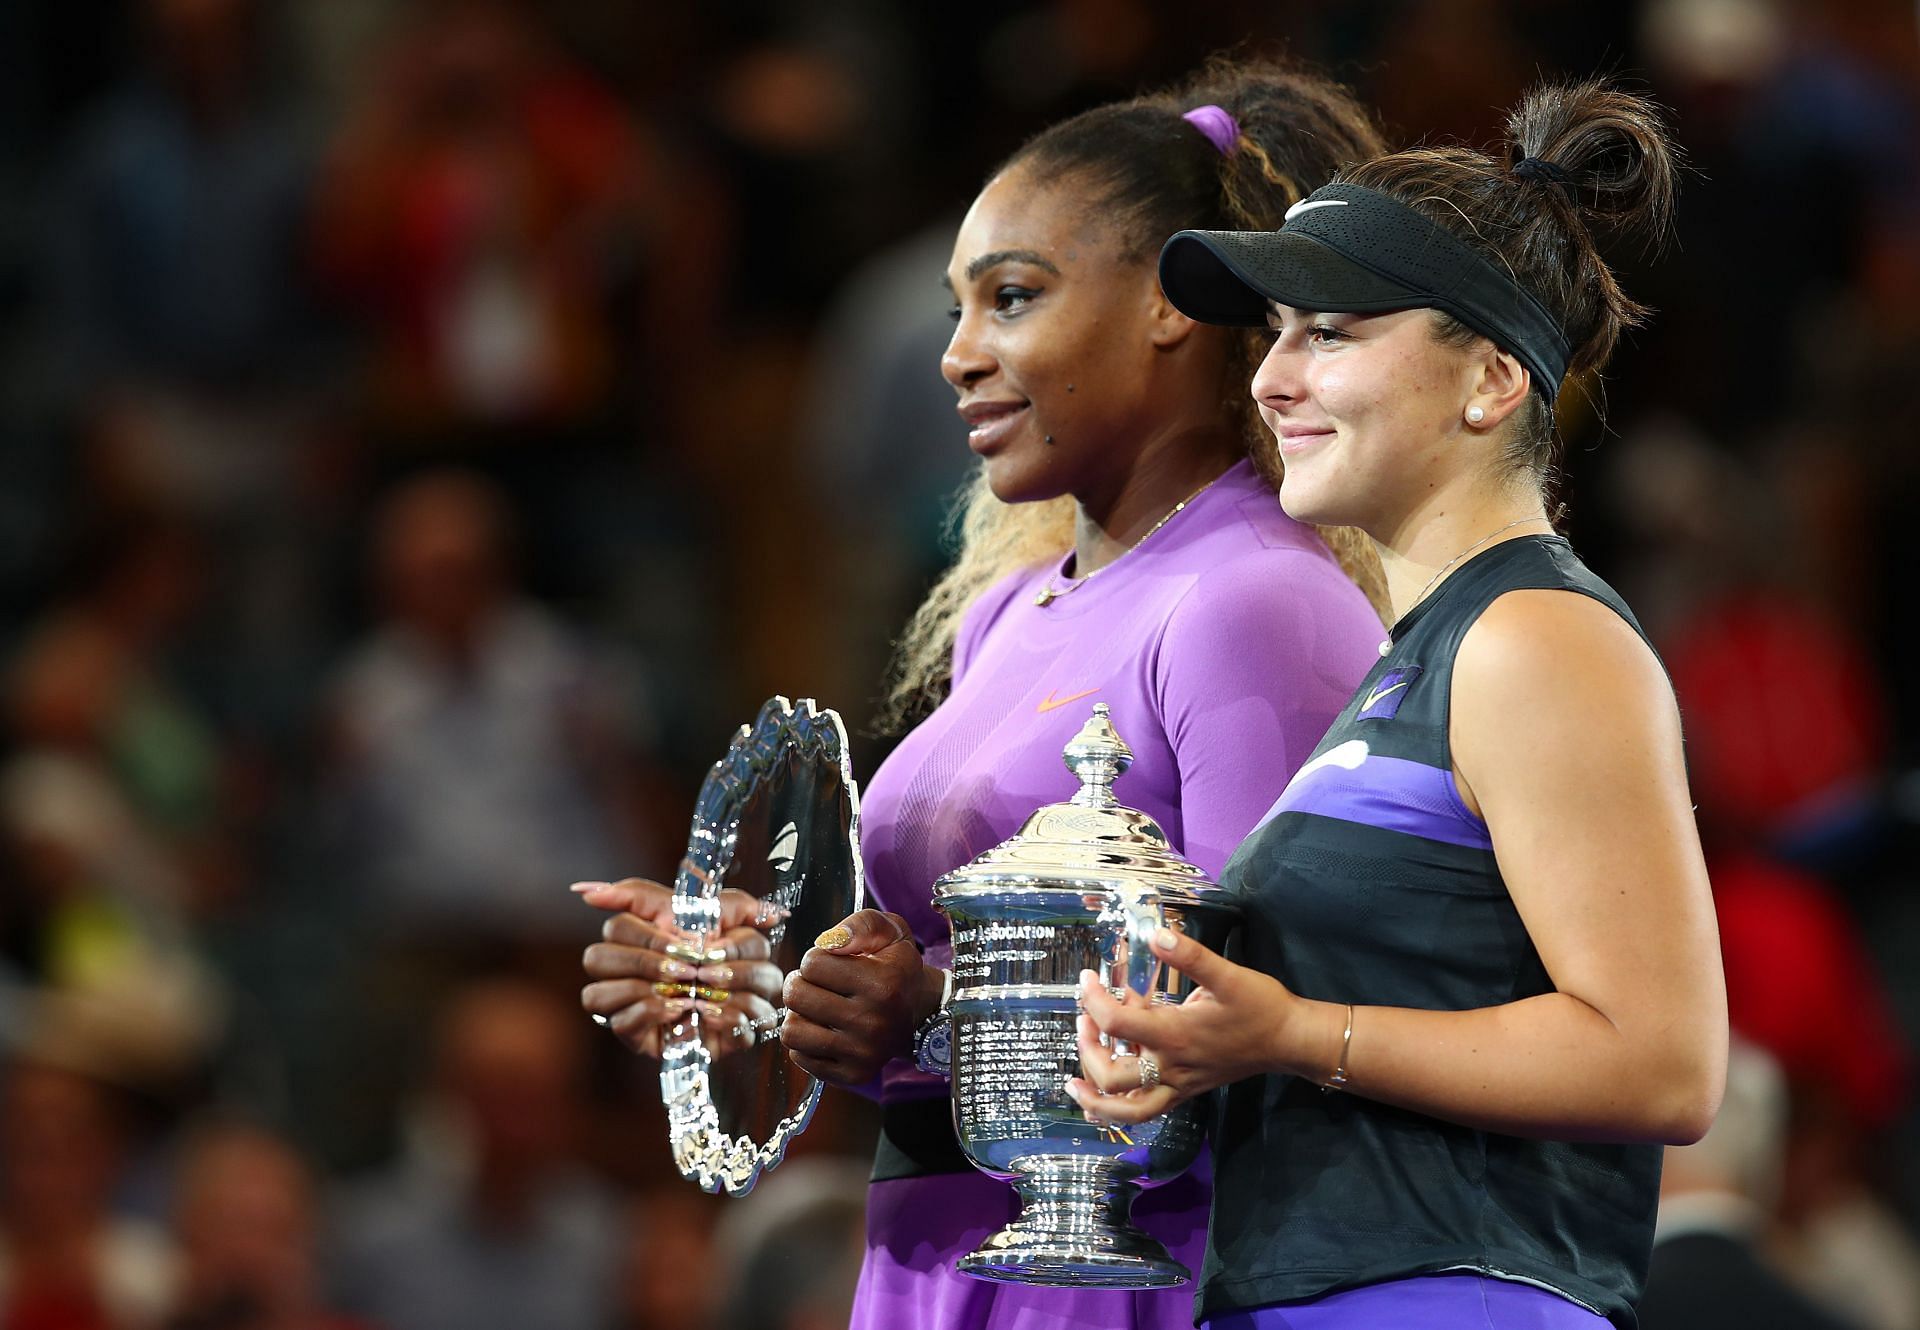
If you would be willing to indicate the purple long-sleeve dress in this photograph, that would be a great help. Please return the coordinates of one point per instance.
(1224, 645)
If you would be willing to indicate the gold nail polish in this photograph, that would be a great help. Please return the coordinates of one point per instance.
(837, 936)
(673, 990)
(711, 994)
(714, 956)
(686, 951)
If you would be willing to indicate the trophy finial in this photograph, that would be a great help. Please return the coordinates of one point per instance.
(1097, 756)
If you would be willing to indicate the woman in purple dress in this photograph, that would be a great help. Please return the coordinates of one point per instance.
(1123, 545)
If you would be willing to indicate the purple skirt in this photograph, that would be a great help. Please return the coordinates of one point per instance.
(1460, 1301)
(918, 1227)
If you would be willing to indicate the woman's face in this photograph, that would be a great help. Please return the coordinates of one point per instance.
(1367, 410)
(1052, 339)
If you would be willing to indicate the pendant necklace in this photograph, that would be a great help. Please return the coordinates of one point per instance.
(1050, 593)
(1387, 645)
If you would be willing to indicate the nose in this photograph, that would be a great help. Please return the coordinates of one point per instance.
(967, 359)
(1277, 381)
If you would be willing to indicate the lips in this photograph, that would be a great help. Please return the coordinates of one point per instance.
(989, 423)
(1297, 439)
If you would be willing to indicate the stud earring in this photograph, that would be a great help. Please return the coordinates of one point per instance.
(1049, 438)
(1475, 415)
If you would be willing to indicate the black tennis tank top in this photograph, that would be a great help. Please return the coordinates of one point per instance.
(1372, 883)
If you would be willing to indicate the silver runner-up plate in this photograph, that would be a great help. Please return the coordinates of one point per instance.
(778, 818)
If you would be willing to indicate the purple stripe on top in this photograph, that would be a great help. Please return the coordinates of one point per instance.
(1431, 1302)
(1393, 793)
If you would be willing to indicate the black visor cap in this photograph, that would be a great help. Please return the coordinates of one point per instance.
(1228, 277)
(1346, 249)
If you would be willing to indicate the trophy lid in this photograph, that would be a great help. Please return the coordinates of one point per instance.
(1092, 840)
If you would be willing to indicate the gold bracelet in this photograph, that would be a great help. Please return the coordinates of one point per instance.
(1338, 1080)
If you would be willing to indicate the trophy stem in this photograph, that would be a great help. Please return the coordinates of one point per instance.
(1075, 1229)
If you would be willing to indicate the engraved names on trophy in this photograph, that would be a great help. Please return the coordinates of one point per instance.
(1009, 1072)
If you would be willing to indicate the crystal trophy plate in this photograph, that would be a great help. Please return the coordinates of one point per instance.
(778, 817)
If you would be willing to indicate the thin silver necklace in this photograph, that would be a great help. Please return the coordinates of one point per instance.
(1049, 593)
(1447, 567)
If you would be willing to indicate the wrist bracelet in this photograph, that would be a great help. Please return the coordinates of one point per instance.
(1338, 1080)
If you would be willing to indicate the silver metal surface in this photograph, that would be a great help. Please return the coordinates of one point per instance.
(1082, 886)
(778, 818)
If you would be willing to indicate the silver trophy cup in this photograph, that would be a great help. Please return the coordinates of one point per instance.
(1082, 886)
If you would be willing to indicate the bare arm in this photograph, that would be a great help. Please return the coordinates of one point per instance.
(1567, 741)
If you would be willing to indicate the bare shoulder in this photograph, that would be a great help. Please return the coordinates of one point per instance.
(1557, 645)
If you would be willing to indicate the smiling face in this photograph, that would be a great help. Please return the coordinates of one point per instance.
(1367, 409)
(1054, 336)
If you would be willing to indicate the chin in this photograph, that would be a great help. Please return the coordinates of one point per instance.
(1014, 480)
(1303, 505)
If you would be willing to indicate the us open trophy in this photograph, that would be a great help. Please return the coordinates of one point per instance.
(1083, 885)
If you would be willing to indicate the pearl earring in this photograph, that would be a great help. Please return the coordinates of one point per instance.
(1475, 415)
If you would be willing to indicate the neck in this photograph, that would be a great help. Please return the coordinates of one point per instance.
(1107, 524)
(1431, 545)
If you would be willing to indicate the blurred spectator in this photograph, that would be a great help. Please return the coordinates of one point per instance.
(791, 1259)
(194, 361)
(68, 1261)
(671, 1277)
(487, 1223)
(244, 1216)
(476, 206)
(178, 235)
(483, 756)
(1710, 1269)
(108, 817)
(884, 452)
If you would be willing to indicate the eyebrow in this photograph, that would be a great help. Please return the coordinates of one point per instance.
(1000, 256)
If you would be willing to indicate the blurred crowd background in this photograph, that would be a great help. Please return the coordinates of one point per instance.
(431, 426)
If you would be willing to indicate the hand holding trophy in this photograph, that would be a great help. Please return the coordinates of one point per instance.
(693, 975)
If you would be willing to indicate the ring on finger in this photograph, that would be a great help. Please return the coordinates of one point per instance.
(1149, 1071)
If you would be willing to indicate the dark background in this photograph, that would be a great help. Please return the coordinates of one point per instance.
(426, 430)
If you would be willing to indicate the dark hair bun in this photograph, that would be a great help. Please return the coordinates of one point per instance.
(1613, 152)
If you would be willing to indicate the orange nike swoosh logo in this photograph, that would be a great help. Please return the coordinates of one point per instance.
(1050, 702)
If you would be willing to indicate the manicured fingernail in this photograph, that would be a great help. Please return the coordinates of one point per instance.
(837, 936)
(673, 990)
(711, 994)
(678, 1006)
(711, 1009)
(716, 974)
(582, 888)
(676, 969)
(686, 951)
(714, 956)
(1166, 939)
(1089, 981)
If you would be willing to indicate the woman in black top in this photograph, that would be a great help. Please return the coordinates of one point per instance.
(1479, 912)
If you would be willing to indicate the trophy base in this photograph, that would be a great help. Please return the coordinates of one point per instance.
(1074, 1230)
